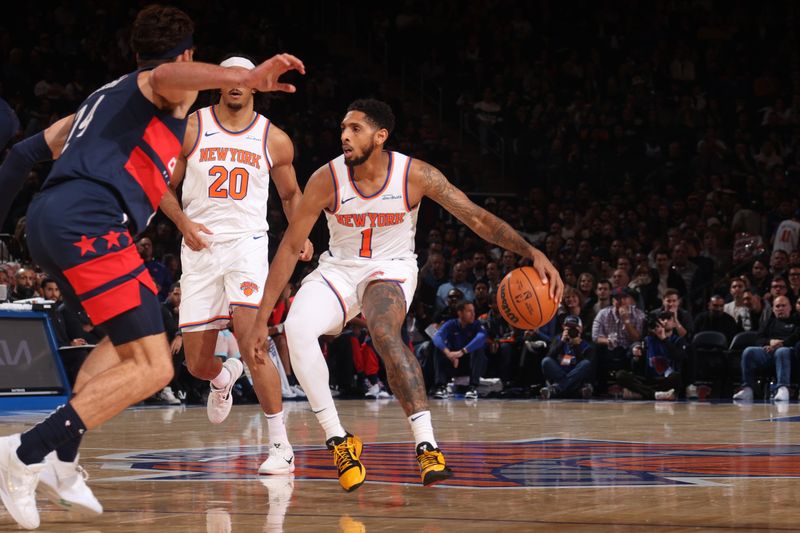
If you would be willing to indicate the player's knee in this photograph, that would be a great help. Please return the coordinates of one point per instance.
(383, 335)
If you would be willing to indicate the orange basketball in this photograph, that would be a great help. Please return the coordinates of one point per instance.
(524, 301)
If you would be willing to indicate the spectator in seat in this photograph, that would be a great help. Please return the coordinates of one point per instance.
(481, 289)
(716, 319)
(614, 330)
(777, 287)
(158, 271)
(503, 343)
(655, 364)
(443, 315)
(678, 320)
(24, 284)
(458, 280)
(794, 280)
(759, 276)
(758, 311)
(460, 350)
(736, 308)
(774, 347)
(568, 364)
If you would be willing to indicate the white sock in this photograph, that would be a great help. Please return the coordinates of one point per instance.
(422, 428)
(276, 427)
(329, 420)
(222, 379)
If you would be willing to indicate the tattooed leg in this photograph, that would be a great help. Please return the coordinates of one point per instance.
(384, 306)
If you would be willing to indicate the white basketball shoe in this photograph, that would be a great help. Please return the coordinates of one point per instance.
(64, 483)
(220, 401)
(18, 484)
(280, 460)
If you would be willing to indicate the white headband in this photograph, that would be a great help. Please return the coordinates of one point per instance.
(236, 61)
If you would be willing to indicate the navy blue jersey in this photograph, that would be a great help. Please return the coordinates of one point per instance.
(123, 141)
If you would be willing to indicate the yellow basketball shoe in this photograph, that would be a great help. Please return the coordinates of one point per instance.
(432, 465)
(346, 451)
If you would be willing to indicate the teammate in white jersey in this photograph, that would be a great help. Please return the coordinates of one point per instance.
(370, 198)
(229, 154)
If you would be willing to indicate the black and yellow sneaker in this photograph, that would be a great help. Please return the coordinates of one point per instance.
(346, 451)
(431, 464)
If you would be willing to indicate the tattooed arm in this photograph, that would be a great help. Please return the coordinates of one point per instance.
(425, 180)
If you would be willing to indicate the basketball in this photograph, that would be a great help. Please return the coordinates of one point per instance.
(524, 301)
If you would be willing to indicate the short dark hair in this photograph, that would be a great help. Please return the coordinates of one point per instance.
(47, 280)
(378, 113)
(463, 304)
(156, 30)
(670, 291)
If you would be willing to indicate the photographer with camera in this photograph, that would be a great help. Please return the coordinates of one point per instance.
(655, 364)
(568, 364)
(676, 319)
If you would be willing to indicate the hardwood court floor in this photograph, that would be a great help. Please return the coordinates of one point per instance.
(520, 466)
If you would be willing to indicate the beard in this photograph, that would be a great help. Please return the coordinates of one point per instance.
(234, 106)
(355, 161)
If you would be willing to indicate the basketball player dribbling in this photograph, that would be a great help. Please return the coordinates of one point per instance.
(229, 154)
(371, 200)
(110, 177)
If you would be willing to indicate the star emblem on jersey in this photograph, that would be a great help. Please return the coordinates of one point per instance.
(248, 288)
(86, 245)
(112, 239)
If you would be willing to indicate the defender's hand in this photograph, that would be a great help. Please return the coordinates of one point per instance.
(265, 76)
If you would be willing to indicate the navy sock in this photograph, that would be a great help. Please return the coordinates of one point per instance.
(58, 429)
(68, 451)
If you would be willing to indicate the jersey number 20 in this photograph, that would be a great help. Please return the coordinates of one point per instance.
(227, 184)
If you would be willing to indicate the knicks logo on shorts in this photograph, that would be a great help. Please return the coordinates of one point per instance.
(248, 288)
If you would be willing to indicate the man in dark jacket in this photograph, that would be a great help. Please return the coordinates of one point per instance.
(716, 319)
(776, 339)
(568, 363)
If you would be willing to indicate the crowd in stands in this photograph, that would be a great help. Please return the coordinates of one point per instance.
(653, 152)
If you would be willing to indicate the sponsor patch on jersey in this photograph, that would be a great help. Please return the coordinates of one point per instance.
(391, 197)
(248, 288)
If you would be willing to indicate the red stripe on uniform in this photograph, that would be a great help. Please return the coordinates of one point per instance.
(146, 279)
(99, 271)
(164, 143)
(113, 302)
(147, 175)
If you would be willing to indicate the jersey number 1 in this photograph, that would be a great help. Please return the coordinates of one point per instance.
(366, 243)
(231, 184)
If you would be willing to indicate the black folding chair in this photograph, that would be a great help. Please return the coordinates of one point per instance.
(710, 351)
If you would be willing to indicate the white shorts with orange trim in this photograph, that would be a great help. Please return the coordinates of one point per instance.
(221, 277)
(348, 278)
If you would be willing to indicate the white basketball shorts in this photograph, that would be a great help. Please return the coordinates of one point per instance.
(221, 277)
(348, 278)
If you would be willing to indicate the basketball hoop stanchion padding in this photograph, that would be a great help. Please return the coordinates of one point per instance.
(31, 374)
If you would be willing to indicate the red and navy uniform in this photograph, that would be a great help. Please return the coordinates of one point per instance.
(104, 188)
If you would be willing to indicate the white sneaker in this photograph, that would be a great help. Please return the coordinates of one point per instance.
(166, 395)
(280, 460)
(220, 401)
(65, 484)
(298, 391)
(665, 395)
(782, 395)
(745, 394)
(18, 484)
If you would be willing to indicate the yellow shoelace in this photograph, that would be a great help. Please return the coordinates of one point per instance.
(429, 459)
(344, 455)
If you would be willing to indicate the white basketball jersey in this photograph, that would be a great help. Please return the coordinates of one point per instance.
(379, 226)
(226, 186)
